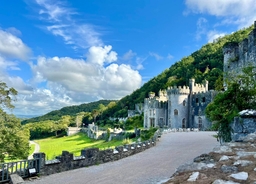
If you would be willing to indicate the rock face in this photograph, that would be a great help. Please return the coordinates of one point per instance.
(244, 125)
(230, 163)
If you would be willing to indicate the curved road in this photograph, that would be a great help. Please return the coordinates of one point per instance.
(37, 149)
(154, 165)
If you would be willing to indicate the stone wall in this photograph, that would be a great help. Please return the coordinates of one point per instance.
(73, 130)
(92, 156)
(242, 126)
(239, 55)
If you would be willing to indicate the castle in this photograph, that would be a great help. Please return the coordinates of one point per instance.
(184, 107)
(179, 107)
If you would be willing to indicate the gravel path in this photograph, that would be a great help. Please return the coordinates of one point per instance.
(154, 165)
(37, 149)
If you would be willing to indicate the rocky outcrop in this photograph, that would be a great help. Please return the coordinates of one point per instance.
(243, 125)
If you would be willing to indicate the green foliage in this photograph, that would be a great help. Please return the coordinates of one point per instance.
(7, 95)
(48, 128)
(134, 122)
(87, 119)
(240, 95)
(13, 137)
(147, 134)
(126, 141)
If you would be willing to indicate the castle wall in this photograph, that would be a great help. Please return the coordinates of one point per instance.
(201, 122)
(237, 56)
(199, 104)
(155, 113)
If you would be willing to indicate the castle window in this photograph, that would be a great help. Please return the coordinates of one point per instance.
(184, 123)
(152, 122)
(197, 100)
(184, 103)
(203, 99)
(176, 112)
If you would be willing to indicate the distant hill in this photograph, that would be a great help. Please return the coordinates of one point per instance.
(70, 110)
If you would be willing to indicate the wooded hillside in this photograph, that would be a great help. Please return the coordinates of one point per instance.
(70, 110)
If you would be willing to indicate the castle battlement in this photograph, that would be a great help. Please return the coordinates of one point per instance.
(178, 90)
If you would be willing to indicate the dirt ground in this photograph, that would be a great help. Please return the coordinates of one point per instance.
(211, 174)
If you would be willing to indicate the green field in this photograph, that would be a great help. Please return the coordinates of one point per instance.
(54, 146)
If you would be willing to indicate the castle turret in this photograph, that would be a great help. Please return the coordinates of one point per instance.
(206, 83)
(191, 85)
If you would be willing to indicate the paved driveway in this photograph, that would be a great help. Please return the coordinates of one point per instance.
(37, 149)
(154, 165)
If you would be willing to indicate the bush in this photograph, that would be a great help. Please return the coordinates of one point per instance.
(147, 134)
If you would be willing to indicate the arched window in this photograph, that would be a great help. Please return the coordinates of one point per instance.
(200, 123)
(176, 112)
(184, 123)
(184, 103)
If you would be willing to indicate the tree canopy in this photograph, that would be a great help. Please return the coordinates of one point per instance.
(14, 139)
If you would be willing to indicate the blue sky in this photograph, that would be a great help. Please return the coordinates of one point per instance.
(57, 53)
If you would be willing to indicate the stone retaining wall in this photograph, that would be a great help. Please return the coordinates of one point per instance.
(244, 125)
(92, 156)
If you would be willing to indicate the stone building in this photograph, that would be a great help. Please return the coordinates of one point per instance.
(179, 107)
(239, 55)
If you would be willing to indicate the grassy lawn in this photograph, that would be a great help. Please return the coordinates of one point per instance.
(54, 146)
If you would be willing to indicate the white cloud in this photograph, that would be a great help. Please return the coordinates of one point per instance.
(101, 55)
(53, 11)
(12, 46)
(64, 81)
(129, 55)
(169, 56)
(155, 55)
(80, 79)
(59, 15)
(201, 28)
(213, 35)
(239, 12)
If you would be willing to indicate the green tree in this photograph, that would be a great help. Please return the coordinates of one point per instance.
(14, 139)
(239, 95)
(87, 119)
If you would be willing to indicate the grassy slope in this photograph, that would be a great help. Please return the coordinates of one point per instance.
(54, 146)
